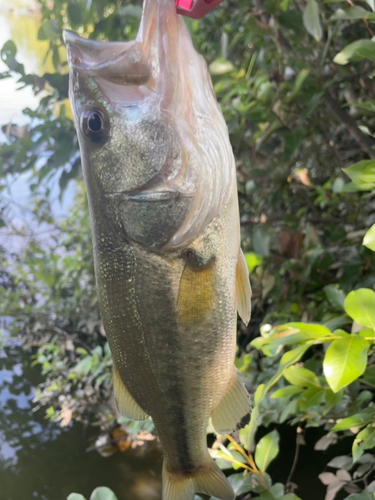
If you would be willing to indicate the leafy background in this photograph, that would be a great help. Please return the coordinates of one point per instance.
(295, 81)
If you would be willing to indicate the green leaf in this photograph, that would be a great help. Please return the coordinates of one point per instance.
(369, 376)
(364, 440)
(311, 20)
(356, 421)
(49, 30)
(288, 359)
(313, 330)
(285, 392)
(341, 462)
(368, 105)
(301, 77)
(247, 434)
(363, 172)
(345, 361)
(360, 306)
(288, 334)
(369, 239)
(352, 13)
(335, 296)
(241, 484)
(361, 496)
(253, 260)
(312, 396)
(9, 49)
(333, 398)
(356, 51)
(8, 55)
(267, 450)
(371, 3)
(220, 66)
(103, 493)
(76, 496)
(75, 13)
(297, 375)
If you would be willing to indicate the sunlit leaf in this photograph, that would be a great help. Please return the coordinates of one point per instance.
(356, 421)
(363, 172)
(356, 51)
(345, 361)
(360, 306)
(369, 239)
(267, 450)
(253, 260)
(364, 440)
(298, 375)
(285, 392)
(220, 67)
(76, 496)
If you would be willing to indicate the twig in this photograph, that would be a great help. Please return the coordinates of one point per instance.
(288, 484)
(364, 477)
(366, 142)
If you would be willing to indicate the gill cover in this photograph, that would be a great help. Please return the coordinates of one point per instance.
(165, 167)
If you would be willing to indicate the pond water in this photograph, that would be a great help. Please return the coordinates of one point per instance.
(38, 460)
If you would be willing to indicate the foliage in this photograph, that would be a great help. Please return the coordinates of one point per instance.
(295, 80)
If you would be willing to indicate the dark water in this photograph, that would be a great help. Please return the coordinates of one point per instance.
(40, 461)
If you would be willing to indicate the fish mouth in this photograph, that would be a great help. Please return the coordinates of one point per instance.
(147, 195)
(122, 63)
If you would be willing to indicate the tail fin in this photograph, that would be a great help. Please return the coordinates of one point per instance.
(209, 480)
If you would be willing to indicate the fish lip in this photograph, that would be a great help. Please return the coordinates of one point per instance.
(70, 36)
(146, 195)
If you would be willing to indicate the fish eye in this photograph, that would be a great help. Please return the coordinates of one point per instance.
(94, 125)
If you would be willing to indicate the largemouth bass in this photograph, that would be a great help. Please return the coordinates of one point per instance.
(161, 185)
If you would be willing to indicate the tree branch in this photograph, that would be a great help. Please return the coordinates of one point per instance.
(365, 141)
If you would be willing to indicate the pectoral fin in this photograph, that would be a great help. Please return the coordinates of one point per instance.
(125, 401)
(232, 408)
(243, 289)
(197, 292)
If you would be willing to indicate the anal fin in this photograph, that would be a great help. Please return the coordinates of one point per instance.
(125, 401)
(232, 408)
(243, 289)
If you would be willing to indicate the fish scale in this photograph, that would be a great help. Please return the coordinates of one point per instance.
(161, 185)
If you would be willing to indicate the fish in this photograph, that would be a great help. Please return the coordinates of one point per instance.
(161, 183)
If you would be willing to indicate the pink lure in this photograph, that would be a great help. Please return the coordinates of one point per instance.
(196, 8)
